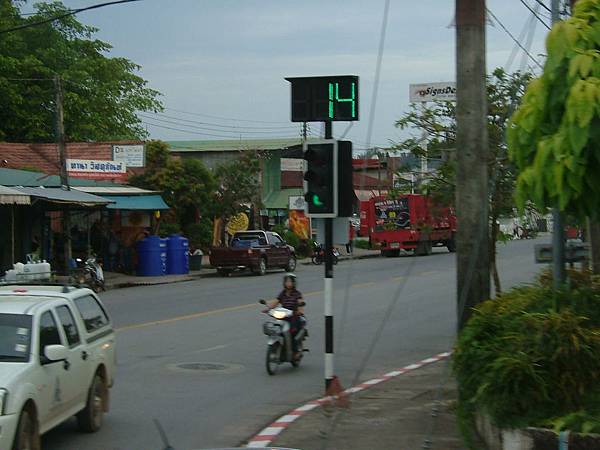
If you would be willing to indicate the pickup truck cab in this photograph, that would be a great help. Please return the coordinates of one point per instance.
(57, 360)
(255, 250)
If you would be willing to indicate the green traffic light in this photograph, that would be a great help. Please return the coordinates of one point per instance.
(316, 200)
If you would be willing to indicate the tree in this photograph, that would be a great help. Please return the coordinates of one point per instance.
(102, 94)
(238, 183)
(187, 186)
(504, 92)
(554, 136)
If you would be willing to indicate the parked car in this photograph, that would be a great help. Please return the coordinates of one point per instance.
(256, 250)
(57, 360)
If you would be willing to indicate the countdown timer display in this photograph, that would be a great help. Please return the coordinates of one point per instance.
(324, 99)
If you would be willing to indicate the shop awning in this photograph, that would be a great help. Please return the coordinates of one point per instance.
(62, 196)
(137, 202)
(366, 194)
(9, 196)
(280, 199)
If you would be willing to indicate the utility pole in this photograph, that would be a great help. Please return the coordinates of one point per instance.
(62, 156)
(328, 288)
(558, 229)
(472, 205)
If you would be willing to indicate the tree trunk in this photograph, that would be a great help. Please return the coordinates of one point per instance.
(493, 254)
(593, 237)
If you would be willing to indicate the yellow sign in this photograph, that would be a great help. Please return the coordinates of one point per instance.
(238, 223)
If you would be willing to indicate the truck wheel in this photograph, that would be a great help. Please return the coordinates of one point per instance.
(27, 437)
(291, 265)
(91, 417)
(261, 269)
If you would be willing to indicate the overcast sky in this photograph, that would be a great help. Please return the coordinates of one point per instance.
(228, 58)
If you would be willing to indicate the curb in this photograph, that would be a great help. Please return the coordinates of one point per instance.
(128, 284)
(266, 436)
(308, 262)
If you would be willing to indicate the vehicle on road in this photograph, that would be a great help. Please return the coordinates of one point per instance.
(279, 344)
(57, 360)
(257, 251)
(319, 254)
(409, 222)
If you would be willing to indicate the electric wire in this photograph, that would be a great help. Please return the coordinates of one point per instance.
(537, 16)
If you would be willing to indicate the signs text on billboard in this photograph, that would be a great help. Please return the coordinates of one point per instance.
(297, 202)
(292, 165)
(433, 92)
(131, 155)
(96, 170)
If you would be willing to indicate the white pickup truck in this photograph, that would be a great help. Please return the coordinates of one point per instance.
(57, 360)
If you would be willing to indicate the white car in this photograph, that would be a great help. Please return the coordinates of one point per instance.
(57, 360)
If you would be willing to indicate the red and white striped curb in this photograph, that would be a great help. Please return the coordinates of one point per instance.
(268, 434)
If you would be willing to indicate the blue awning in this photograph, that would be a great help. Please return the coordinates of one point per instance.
(137, 202)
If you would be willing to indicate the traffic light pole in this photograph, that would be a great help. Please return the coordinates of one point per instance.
(328, 289)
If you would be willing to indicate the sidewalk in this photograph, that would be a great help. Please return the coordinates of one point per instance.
(394, 415)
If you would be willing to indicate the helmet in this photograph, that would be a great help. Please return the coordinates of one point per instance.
(289, 276)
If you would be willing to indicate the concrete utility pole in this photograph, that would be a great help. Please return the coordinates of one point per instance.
(62, 156)
(472, 191)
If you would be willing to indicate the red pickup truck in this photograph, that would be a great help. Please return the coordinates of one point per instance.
(255, 250)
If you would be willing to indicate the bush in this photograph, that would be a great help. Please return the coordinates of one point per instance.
(359, 243)
(168, 228)
(532, 358)
(200, 234)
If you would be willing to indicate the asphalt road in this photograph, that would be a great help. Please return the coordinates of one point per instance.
(217, 322)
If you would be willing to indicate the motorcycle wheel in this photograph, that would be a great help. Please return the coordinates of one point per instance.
(335, 260)
(296, 362)
(317, 261)
(272, 361)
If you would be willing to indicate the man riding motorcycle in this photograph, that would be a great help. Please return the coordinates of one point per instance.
(291, 298)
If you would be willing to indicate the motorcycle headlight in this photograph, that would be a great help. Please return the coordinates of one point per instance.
(3, 401)
(279, 315)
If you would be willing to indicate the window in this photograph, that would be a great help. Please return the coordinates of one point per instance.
(15, 337)
(48, 333)
(92, 313)
(68, 324)
(276, 240)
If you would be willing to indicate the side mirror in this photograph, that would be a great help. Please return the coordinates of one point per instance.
(262, 302)
(55, 353)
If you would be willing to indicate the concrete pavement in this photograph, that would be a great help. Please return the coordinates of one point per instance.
(192, 354)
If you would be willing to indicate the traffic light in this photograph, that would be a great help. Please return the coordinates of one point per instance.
(320, 178)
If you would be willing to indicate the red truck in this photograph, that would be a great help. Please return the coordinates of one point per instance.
(409, 222)
(255, 250)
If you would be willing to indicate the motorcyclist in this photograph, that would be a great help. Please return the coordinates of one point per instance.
(291, 298)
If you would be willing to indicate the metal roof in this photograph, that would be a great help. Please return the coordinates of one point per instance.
(10, 196)
(137, 202)
(59, 195)
(280, 199)
(230, 145)
(15, 177)
(113, 190)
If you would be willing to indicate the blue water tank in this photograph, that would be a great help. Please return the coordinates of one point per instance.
(163, 255)
(178, 261)
(150, 263)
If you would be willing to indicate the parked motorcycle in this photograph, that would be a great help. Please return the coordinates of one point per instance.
(90, 273)
(279, 344)
(319, 255)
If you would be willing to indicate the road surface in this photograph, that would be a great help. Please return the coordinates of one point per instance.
(222, 394)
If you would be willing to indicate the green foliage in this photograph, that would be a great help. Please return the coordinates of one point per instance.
(291, 238)
(360, 243)
(526, 363)
(102, 94)
(168, 228)
(554, 136)
(280, 229)
(200, 234)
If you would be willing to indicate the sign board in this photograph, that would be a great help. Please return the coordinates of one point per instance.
(341, 230)
(297, 202)
(131, 155)
(292, 165)
(96, 170)
(433, 92)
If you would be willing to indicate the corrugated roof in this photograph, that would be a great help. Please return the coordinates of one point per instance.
(137, 202)
(280, 199)
(233, 145)
(15, 177)
(10, 196)
(113, 190)
(59, 195)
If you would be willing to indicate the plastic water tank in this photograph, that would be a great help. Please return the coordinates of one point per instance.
(163, 255)
(150, 263)
(178, 249)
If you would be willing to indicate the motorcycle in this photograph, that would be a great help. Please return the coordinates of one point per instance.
(279, 344)
(319, 255)
(90, 273)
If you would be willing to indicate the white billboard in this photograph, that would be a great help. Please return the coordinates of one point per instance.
(96, 169)
(292, 165)
(433, 92)
(130, 155)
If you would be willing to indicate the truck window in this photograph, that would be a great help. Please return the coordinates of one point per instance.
(68, 324)
(49, 334)
(392, 215)
(275, 239)
(247, 240)
(92, 313)
(15, 337)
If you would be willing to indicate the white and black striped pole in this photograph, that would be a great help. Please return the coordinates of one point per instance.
(328, 289)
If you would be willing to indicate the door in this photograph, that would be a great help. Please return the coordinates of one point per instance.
(279, 251)
(80, 369)
(54, 375)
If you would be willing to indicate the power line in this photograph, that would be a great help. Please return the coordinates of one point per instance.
(230, 126)
(70, 12)
(542, 4)
(223, 118)
(535, 14)
(204, 134)
(507, 31)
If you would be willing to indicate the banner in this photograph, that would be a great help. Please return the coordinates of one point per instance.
(96, 170)
(130, 155)
(433, 92)
(299, 224)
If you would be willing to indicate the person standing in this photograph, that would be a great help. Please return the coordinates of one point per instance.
(351, 235)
